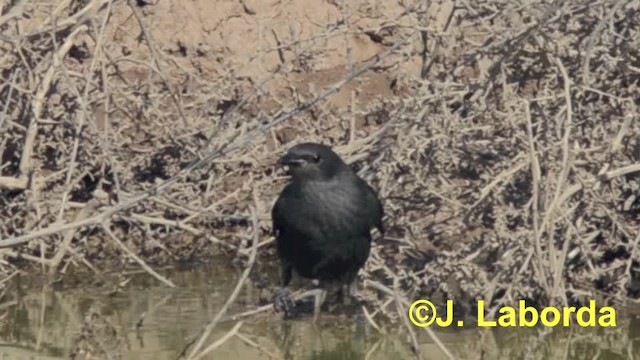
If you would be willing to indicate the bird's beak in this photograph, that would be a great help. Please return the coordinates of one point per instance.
(290, 160)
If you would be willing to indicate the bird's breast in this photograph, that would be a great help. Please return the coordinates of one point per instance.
(332, 209)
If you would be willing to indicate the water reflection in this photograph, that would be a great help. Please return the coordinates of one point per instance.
(136, 318)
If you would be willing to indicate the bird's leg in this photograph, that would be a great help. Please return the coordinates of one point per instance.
(344, 293)
(352, 290)
(283, 301)
(348, 292)
(320, 296)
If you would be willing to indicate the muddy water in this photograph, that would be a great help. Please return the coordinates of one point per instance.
(137, 318)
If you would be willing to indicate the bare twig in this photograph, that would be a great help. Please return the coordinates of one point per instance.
(223, 151)
(432, 335)
(135, 257)
(22, 180)
(232, 298)
(630, 169)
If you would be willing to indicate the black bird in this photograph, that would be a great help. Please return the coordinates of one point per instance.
(322, 221)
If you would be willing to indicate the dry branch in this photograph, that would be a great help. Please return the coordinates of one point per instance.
(225, 150)
(105, 228)
(195, 352)
(485, 197)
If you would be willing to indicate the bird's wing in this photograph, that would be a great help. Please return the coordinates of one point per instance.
(372, 197)
(276, 216)
(280, 213)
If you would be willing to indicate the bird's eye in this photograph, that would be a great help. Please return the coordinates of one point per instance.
(316, 158)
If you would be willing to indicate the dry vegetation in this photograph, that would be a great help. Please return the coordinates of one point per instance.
(503, 136)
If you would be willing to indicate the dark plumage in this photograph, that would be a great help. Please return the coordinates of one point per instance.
(323, 220)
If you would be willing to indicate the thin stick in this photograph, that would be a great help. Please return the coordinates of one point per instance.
(61, 25)
(21, 182)
(616, 144)
(13, 80)
(369, 318)
(219, 342)
(621, 171)
(239, 285)
(264, 308)
(222, 151)
(373, 349)
(535, 196)
(405, 321)
(9, 277)
(434, 337)
(144, 265)
(84, 115)
(67, 236)
(252, 343)
(151, 310)
(503, 176)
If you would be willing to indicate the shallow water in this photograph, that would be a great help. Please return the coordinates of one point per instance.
(147, 320)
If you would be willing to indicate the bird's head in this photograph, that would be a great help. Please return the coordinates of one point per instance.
(312, 161)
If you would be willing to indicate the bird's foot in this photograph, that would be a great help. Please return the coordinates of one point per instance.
(319, 297)
(283, 302)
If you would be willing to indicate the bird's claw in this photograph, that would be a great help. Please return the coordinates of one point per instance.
(283, 302)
